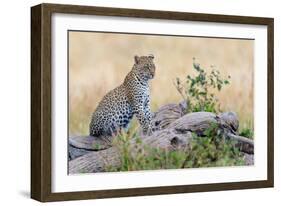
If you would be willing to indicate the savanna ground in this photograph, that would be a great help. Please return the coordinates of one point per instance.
(98, 62)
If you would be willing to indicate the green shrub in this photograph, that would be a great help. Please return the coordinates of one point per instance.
(208, 151)
(213, 149)
(198, 90)
(247, 132)
(142, 157)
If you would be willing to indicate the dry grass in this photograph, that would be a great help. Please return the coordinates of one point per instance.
(99, 62)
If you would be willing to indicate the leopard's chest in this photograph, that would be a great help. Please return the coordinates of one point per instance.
(144, 92)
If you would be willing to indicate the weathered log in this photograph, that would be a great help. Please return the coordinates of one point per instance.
(194, 122)
(249, 159)
(198, 122)
(74, 152)
(79, 146)
(95, 161)
(166, 115)
(242, 143)
(90, 143)
(176, 135)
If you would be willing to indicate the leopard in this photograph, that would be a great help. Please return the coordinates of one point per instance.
(132, 98)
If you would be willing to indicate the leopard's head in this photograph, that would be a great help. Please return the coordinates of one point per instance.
(145, 67)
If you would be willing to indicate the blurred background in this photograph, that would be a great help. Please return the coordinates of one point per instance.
(99, 62)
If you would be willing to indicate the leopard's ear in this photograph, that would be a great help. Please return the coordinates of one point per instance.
(137, 59)
(151, 56)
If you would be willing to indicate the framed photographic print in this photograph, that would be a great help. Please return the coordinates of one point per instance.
(130, 102)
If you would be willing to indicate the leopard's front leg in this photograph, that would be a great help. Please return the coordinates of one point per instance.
(148, 114)
(143, 114)
(144, 122)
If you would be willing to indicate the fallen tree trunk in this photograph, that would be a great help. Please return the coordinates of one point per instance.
(172, 132)
(79, 146)
(95, 161)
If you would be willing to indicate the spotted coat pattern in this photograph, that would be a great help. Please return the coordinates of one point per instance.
(118, 107)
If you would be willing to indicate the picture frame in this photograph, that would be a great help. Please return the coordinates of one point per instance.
(41, 100)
